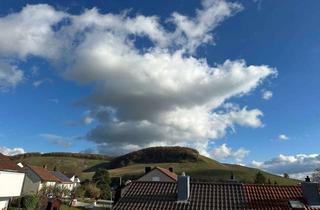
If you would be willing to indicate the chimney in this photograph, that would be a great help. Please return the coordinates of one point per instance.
(310, 192)
(147, 169)
(232, 178)
(183, 188)
(171, 169)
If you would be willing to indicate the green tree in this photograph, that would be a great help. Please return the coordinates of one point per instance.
(102, 180)
(286, 175)
(260, 178)
(269, 181)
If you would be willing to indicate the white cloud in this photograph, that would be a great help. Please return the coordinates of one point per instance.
(30, 32)
(10, 75)
(56, 139)
(224, 152)
(267, 94)
(283, 137)
(296, 165)
(13, 151)
(161, 95)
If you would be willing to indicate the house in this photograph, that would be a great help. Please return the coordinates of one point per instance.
(64, 181)
(11, 181)
(36, 178)
(74, 178)
(158, 174)
(183, 195)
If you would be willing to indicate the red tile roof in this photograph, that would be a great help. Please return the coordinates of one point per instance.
(163, 195)
(209, 196)
(43, 173)
(167, 172)
(272, 196)
(7, 164)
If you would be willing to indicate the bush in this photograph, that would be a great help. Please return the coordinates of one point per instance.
(79, 192)
(92, 191)
(31, 202)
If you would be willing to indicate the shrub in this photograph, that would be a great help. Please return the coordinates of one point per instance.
(79, 192)
(31, 202)
(92, 191)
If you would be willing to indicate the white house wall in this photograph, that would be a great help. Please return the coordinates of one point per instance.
(4, 203)
(11, 183)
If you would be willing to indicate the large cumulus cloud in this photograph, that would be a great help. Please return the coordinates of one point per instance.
(161, 94)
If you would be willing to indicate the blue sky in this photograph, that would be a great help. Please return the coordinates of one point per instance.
(55, 96)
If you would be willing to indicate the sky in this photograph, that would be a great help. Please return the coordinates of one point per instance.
(236, 80)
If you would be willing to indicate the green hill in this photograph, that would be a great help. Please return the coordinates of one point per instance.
(132, 165)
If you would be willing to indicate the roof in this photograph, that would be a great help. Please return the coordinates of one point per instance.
(166, 172)
(70, 175)
(163, 195)
(61, 177)
(43, 173)
(6, 164)
(272, 196)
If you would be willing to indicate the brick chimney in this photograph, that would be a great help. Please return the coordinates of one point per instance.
(183, 188)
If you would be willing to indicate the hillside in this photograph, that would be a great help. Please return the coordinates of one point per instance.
(156, 155)
(132, 165)
(65, 162)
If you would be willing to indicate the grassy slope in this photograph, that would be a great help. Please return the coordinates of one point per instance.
(204, 169)
(65, 164)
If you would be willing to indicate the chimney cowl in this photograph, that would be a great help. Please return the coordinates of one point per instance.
(307, 179)
(183, 188)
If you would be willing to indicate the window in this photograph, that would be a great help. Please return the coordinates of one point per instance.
(156, 179)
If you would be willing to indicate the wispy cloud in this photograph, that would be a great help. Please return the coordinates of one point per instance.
(267, 94)
(57, 140)
(54, 100)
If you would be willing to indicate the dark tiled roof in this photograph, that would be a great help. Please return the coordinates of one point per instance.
(61, 177)
(207, 196)
(43, 173)
(70, 175)
(163, 195)
(272, 196)
(7, 164)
